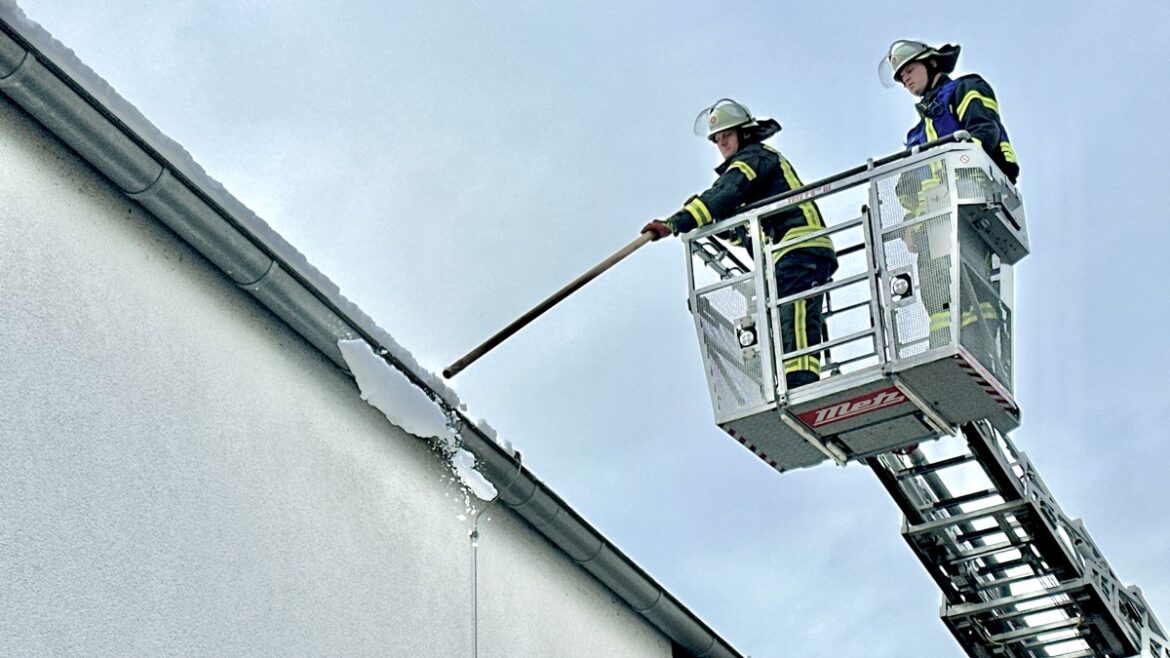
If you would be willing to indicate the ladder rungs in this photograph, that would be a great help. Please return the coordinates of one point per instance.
(1079, 653)
(960, 500)
(923, 469)
(1033, 631)
(1008, 581)
(974, 609)
(1055, 607)
(931, 527)
(982, 552)
(1011, 531)
(991, 569)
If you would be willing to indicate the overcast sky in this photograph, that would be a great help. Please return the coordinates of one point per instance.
(449, 164)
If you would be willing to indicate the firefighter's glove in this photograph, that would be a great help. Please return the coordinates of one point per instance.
(658, 229)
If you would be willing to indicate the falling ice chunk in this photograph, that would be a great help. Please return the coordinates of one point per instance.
(463, 463)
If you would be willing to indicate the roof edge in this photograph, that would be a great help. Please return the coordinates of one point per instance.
(59, 91)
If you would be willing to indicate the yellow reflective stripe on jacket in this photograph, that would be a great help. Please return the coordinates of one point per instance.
(808, 363)
(824, 241)
(745, 168)
(974, 95)
(699, 211)
(1009, 154)
(931, 133)
(811, 215)
(801, 231)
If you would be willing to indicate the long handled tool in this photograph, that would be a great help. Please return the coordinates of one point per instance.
(553, 300)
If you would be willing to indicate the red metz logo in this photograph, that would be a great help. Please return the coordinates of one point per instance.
(863, 404)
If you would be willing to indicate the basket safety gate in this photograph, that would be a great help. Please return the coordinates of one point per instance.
(918, 316)
(1019, 579)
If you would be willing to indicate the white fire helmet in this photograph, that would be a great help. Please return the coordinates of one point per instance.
(904, 51)
(726, 113)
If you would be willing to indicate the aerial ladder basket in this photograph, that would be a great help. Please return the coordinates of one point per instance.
(918, 316)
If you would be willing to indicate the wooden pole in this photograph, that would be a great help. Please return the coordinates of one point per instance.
(553, 300)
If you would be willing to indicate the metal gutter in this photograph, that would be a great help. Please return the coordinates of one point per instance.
(54, 87)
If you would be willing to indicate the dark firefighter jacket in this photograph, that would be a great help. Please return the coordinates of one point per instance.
(756, 172)
(966, 103)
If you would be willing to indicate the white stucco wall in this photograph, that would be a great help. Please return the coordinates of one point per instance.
(181, 474)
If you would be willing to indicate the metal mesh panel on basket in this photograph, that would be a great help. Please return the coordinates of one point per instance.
(914, 193)
(973, 183)
(923, 322)
(986, 325)
(977, 254)
(736, 374)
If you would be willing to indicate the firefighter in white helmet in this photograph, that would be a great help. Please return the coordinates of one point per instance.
(751, 171)
(948, 105)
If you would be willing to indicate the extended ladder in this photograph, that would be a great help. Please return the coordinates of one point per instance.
(1018, 577)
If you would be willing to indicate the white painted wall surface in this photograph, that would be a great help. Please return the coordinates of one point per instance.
(181, 474)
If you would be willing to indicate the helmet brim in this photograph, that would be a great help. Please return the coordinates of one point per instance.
(947, 57)
(738, 115)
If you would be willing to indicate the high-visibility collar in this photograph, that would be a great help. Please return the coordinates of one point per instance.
(937, 120)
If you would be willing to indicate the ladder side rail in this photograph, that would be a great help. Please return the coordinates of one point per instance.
(939, 489)
(1152, 624)
(1013, 473)
(999, 465)
(1018, 479)
(1155, 643)
(919, 505)
(884, 467)
(1126, 605)
(1072, 533)
(960, 589)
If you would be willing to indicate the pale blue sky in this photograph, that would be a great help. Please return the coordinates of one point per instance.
(449, 164)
